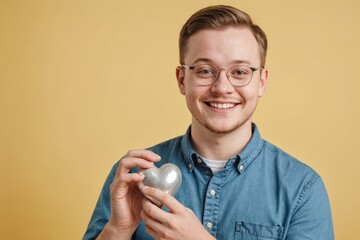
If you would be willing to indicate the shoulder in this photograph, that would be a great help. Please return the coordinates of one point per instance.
(306, 194)
(299, 181)
(285, 159)
(167, 145)
(289, 169)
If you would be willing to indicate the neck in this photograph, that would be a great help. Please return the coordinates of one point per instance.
(220, 146)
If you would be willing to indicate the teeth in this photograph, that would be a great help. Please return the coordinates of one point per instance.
(222, 105)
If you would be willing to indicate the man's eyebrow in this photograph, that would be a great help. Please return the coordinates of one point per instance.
(209, 61)
(242, 62)
(206, 60)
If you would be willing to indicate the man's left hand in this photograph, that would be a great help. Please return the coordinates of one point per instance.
(179, 223)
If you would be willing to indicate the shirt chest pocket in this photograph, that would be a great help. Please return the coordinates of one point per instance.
(251, 231)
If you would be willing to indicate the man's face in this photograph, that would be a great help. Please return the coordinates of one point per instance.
(221, 107)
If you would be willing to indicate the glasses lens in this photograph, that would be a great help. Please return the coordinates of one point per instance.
(240, 75)
(205, 74)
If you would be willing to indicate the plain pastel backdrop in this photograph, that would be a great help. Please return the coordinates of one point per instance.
(82, 82)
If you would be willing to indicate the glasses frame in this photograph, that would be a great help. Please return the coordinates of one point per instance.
(253, 69)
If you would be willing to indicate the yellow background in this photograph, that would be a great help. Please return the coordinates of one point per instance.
(81, 82)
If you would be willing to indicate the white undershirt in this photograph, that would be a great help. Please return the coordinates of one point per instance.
(215, 165)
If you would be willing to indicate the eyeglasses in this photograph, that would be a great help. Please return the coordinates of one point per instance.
(238, 75)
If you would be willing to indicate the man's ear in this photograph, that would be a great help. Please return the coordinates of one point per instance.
(263, 81)
(180, 76)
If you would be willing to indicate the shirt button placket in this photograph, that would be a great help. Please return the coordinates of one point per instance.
(211, 204)
(241, 167)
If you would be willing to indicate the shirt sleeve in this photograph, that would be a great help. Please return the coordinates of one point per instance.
(102, 211)
(311, 217)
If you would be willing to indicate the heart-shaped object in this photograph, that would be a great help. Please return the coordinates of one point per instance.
(167, 178)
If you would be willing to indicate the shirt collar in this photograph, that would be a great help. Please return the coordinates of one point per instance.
(188, 150)
(251, 150)
(246, 156)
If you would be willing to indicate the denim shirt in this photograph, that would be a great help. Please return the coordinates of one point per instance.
(262, 193)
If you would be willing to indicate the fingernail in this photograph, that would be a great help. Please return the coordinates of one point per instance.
(150, 164)
(155, 156)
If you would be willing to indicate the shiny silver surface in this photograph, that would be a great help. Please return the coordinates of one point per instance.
(167, 178)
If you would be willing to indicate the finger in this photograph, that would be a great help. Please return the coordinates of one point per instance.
(151, 223)
(152, 232)
(152, 209)
(137, 158)
(164, 198)
(130, 177)
(128, 163)
(144, 154)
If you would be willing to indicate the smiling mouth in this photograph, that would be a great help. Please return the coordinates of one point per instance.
(221, 105)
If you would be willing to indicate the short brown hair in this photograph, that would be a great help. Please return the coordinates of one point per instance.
(217, 17)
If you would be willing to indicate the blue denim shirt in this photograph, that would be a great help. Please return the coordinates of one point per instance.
(262, 193)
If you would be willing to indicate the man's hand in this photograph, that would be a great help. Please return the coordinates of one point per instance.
(179, 223)
(126, 199)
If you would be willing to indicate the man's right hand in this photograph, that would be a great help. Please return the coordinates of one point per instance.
(126, 198)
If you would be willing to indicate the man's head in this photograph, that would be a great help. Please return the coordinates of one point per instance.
(218, 17)
(222, 72)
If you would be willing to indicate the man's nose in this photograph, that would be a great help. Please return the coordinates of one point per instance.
(222, 83)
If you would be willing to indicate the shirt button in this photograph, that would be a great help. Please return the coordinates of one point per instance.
(199, 160)
(241, 167)
(209, 225)
(190, 166)
(212, 192)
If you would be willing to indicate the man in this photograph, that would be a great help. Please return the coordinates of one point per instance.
(235, 184)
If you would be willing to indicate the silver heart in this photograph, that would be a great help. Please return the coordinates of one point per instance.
(167, 178)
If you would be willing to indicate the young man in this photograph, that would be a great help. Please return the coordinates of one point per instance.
(235, 184)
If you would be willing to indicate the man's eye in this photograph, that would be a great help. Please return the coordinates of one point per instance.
(240, 72)
(205, 72)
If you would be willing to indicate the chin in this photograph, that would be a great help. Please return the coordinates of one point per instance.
(223, 129)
